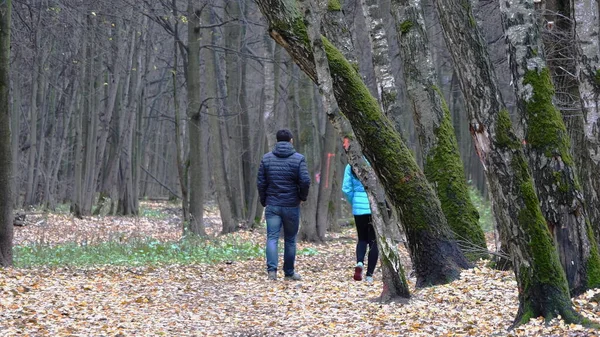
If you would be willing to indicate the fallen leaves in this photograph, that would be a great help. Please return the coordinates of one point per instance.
(235, 298)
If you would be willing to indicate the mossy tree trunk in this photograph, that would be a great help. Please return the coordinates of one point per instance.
(542, 284)
(586, 15)
(434, 252)
(394, 281)
(442, 163)
(547, 145)
(6, 220)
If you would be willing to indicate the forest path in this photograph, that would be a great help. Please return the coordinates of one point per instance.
(236, 299)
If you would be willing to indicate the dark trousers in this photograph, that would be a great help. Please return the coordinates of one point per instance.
(366, 238)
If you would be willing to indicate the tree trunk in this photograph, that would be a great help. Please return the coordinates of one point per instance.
(6, 219)
(547, 146)
(93, 90)
(386, 83)
(395, 285)
(326, 186)
(15, 133)
(196, 140)
(587, 25)
(543, 288)
(442, 163)
(393, 162)
(78, 161)
(219, 142)
(33, 117)
(233, 111)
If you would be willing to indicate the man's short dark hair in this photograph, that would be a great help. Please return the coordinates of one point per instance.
(284, 135)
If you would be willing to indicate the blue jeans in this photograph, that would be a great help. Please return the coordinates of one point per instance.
(289, 219)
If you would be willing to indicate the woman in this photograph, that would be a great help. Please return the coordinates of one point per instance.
(356, 195)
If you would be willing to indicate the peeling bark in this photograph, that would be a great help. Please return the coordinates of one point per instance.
(547, 145)
(386, 83)
(543, 289)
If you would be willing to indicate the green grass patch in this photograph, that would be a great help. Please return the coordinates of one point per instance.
(62, 208)
(484, 208)
(307, 251)
(138, 252)
(153, 213)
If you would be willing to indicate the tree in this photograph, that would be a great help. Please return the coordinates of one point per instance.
(543, 289)
(6, 225)
(435, 255)
(587, 153)
(547, 146)
(442, 163)
(394, 280)
(196, 179)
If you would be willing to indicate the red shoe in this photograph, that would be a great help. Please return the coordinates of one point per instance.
(358, 271)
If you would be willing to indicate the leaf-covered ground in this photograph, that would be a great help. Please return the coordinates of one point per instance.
(235, 298)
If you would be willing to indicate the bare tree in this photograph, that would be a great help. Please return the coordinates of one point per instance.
(6, 225)
(196, 140)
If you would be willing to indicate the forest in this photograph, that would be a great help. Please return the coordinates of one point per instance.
(132, 131)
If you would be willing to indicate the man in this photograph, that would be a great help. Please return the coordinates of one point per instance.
(283, 183)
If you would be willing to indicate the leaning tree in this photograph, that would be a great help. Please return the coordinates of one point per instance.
(434, 251)
(542, 284)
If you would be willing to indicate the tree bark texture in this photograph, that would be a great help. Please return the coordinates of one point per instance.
(386, 83)
(547, 145)
(232, 36)
(219, 142)
(405, 184)
(6, 219)
(543, 289)
(196, 139)
(442, 163)
(587, 27)
(394, 281)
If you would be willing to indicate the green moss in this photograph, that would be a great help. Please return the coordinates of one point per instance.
(547, 271)
(597, 77)
(411, 189)
(444, 169)
(334, 6)
(472, 20)
(593, 262)
(505, 137)
(546, 131)
(293, 28)
(406, 26)
(388, 97)
(561, 181)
